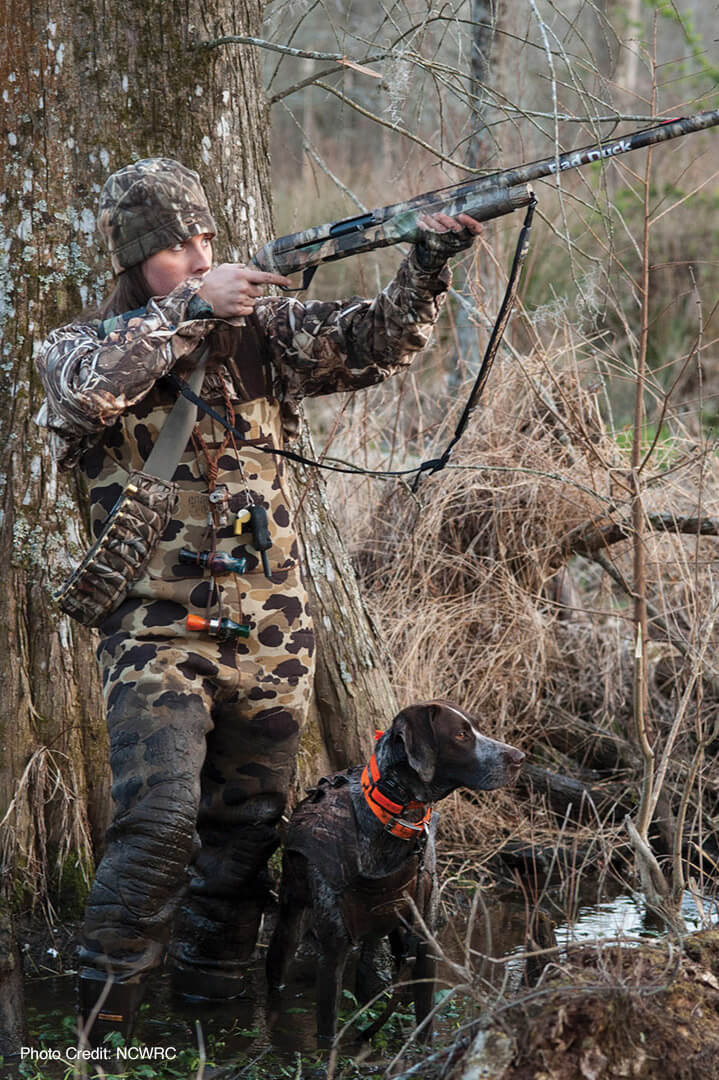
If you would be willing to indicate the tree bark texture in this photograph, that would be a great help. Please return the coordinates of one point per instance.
(91, 85)
(353, 692)
(12, 1024)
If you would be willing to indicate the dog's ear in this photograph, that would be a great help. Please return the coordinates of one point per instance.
(415, 728)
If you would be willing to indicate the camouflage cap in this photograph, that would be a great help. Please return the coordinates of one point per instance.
(148, 206)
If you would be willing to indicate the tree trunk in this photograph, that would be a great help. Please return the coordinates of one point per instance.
(484, 16)
(353, 693)
(12, 1024)
(91, 86)
(628, 75)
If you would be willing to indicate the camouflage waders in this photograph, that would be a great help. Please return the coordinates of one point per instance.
(203, 734)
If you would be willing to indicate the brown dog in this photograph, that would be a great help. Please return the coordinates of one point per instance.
(362, 843)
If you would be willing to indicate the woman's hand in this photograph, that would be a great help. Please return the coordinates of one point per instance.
(444, 236)
(233, 289)
(441, 223)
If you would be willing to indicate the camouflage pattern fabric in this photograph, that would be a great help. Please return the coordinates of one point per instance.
(168, 690)
(315, 347)
(149, 206)
(89, 382)
(202, 750)
(204, 734)
(435, 248)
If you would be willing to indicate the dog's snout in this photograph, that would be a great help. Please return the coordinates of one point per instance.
(513, 757)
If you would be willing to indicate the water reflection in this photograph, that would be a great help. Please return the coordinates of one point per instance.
(506, 928)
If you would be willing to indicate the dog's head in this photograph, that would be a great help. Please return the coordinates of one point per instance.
(445, 749)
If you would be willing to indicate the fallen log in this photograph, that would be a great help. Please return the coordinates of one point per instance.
(593, 747)
(571, 798)
(540, 865)
(590, 537)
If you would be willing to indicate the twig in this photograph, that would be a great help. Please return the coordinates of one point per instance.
(639, 584)
(397, 129)
(312, 80)
(295, 30)
(445, 1052)
(319, 160)
(658, 620)
(654, 884)
(678, 877)
(201, 1051)
(706, 638)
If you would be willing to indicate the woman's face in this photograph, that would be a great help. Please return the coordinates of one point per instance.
(167, 268)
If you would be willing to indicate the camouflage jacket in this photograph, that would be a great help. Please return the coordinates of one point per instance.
(315, 347)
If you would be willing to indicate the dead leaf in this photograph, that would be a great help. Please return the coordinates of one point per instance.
(559, 1022)
(592, 1064)
(360, 67)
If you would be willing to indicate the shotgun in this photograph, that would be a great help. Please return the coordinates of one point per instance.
(483, 199)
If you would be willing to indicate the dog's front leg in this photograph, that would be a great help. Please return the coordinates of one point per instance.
(425, 965)
(283, 945)
(425, 970)
(330, 970)
(294, 900)
(373, 970)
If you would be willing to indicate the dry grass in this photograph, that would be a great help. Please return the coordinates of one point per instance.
(42, 859)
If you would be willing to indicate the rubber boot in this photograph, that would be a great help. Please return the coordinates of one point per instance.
(211, 962)
(194, 983)
(103, 1009)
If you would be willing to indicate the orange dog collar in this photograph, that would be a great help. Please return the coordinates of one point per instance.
(387, 811)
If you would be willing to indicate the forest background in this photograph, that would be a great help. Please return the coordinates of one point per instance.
(557, 580)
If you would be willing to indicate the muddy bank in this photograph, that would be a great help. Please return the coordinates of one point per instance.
(650, 1013)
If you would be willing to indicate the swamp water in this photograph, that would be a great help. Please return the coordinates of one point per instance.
(175, 1038)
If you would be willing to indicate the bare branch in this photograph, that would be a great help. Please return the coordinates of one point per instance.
(313, 80)
(653, 881)
(273, 46)
(319, 160)
(639, 688)
(295, 30)
(658, 621)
